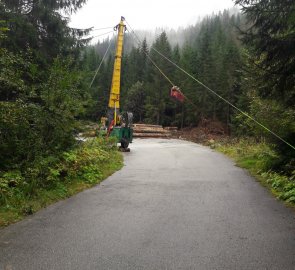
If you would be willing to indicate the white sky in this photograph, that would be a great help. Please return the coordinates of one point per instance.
(145, 14)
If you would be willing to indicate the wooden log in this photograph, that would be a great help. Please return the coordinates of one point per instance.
(171, 128)
(150, 130)
(147, 125)
(150, 135)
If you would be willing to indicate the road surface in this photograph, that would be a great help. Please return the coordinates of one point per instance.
(174, 205)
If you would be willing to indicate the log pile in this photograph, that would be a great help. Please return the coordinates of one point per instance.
(151, 131)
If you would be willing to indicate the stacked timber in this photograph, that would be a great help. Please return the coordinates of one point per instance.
(150, 131)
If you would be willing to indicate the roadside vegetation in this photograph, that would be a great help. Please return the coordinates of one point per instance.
(258, 158)
(24, 191)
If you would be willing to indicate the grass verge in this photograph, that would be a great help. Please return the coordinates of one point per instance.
(24, 192)
(257, 158)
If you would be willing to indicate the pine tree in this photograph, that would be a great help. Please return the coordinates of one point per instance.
(41, 27)
(41, 91)
(270, 39)
(135, 101)
(159, 101)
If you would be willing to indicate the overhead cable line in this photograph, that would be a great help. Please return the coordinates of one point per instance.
(103, 34)
(153, 62)
(216, 94)
(225, 100)
(98, 29)
(166, 77)
(100, 65)
(161, 71)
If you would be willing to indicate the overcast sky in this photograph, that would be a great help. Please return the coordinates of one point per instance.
(145, 14)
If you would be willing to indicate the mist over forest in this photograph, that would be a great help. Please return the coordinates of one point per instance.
(211, 49)
(180, 36)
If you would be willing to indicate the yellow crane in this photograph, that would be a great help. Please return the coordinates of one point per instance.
(119, 125)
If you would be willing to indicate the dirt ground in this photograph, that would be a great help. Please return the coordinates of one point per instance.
(206, 132)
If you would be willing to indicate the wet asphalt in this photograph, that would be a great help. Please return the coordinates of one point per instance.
(174, 205)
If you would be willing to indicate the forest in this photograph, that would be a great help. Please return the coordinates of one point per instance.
(246, 57)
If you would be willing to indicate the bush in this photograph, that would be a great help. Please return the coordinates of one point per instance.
(258, 158)
(85, 163)
(281, 121)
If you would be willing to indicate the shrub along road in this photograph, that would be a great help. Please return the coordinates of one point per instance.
(174, 205)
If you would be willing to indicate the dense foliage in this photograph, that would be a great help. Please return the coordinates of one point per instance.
(259, 158)
(41, 27)
(268, 79)
(55, 178)
(41, 91)
(42, 94)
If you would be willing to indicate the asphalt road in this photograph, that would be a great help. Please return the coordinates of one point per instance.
(174, 205)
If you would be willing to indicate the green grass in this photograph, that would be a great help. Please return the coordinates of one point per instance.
(257, 158)
(22, 194)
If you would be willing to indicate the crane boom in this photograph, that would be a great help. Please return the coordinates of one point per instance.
(114, 100)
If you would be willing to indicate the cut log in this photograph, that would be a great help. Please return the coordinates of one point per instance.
(150, 131)
(150, 135)
(146, 125)
(171, 128)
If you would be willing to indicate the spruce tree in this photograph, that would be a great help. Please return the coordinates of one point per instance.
(41, 27)
(270, 39)
(159, 101)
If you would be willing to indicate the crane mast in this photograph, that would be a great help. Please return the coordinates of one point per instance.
(119, 124)
(114, 100)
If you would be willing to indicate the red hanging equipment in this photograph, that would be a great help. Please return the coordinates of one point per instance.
(176, 93)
